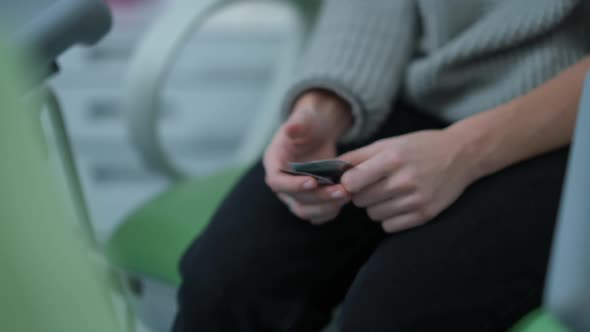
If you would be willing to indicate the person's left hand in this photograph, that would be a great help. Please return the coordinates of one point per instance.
(406, 181)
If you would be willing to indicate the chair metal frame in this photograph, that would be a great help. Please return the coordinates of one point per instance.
(567, 290)
(53, 30)
(117, 279)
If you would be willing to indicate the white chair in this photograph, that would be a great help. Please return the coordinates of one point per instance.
(148, 244)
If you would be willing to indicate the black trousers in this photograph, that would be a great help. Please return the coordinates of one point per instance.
(478, 266)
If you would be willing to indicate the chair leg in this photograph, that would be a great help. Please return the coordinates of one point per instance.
(67, 157)
(155, 302)
(77, 194)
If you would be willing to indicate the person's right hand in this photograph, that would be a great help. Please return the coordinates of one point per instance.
(318, 120)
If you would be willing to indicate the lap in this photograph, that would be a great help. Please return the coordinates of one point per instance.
(258, 254)
(478, 266)
(484, 257)
(254, 225)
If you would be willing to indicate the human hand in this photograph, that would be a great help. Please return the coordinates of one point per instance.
(406, 181)
(318, 120)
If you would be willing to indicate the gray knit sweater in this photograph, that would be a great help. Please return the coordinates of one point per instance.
(451, 58)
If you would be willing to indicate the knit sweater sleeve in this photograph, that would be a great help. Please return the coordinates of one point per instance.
(359, 51)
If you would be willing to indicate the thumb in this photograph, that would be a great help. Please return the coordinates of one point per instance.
(299, 127)
(296, 130)
(358, 156)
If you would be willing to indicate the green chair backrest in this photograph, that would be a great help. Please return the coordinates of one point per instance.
(48, 281)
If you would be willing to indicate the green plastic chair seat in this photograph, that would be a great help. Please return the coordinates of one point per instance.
(538, 321)
(151, 241)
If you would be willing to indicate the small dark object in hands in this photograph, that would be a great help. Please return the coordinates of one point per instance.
(325, 171)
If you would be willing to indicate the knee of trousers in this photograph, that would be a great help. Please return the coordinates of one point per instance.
(375, 305)
(358, 313)
(436, 307)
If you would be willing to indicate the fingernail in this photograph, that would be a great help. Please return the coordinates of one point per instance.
(337, 194)
(308, 184)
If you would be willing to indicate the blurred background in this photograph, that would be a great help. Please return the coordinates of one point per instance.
(218, 83)
(211, 110)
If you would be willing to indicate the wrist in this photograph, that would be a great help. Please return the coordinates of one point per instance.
(472, 149)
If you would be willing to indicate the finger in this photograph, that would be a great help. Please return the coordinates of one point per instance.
(322, 195)
(366, 173)
(326, 218)
(296, 132)
(305, 211)
(288, 200)
(299, 127)
(403, 222)
(284, 147)
(394, 207)
(382, 190)
(314, 212)
(280, 182)
(355, 157)
(317, 213)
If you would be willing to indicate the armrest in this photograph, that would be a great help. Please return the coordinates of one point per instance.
(46, 270)
(61, 25)
(149, 69)
(567, 293)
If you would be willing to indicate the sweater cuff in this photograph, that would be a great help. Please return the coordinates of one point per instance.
(359, 51)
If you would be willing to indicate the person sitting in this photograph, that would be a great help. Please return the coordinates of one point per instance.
(456, 116)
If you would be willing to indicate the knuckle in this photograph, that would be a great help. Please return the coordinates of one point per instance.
(302, 198)
(417, 222)
(305, 215)
(269, 181)
(323, 219)
(425, 214)
(373, 214)
(325, 196)
(379, 143)
(283, 198)
(297, 210)
(407, 182)
(358, 201)
(329, 211)
(334, 209)
(331, 217)
(344, 202)
(302, 216)
(388, 227)
(312, 212)
(418, 201)
(393, 158)
(347, 181)
(390, 187)
(316, 221)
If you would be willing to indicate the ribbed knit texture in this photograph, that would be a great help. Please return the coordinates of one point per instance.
(452, 58)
